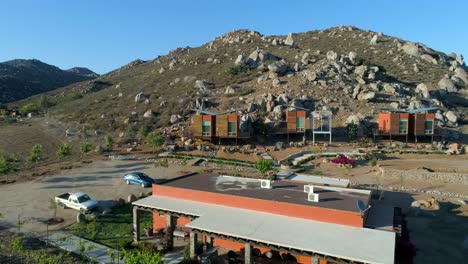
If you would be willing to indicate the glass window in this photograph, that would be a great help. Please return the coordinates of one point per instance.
(232, 128)
(206, 128)
(403, 126)
(300, 123)
(83, 198)
(428, 126)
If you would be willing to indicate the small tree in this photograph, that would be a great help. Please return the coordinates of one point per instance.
(264, 165)
(85, 147)
(8, 163)
(352, 130)
(36, 153)
(64, 150)
(154, 139)
(108, 141)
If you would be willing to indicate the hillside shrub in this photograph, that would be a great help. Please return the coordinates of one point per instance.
(108, 141)
(8, 163)
(64, 150)
(154, 139)
(29, 108)
(373, 162)
(36, 153)
(238, 69)
(86, 147)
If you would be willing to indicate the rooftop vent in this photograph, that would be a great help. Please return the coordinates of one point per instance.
(265, 184)
(308, 188)
(313, 197)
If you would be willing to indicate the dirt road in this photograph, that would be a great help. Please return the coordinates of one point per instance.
(28, 202)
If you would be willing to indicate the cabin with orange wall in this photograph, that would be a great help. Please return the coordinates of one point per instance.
(390, 123)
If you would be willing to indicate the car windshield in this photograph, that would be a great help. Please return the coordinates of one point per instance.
(83, 198)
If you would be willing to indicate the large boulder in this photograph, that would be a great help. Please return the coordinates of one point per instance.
(310, 75)
(230, 90)
(140, 97)
(389, 88)
(175, 119)
(361, 71)
(447, 84)
(201, 84)
(240, 60)
(332, 56)
(460, 59)
(259, 56)
(131, 198)
(289, 40)
(278, 111)
(283, 99)
(352, 57)
(374, 40)
(411, 49)
(355, 119)
(451, 117)
(461, 74)
(429, 58)
(422, 89)
(279, 67)
(366, 96)
(148, 114)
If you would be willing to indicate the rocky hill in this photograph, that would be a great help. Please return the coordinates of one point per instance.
(352, 72)
(22, 78)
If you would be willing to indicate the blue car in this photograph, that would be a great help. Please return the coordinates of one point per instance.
(138, 178)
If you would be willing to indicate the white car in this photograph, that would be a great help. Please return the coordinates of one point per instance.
(78, 201)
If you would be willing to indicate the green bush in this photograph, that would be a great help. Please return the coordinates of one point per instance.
(154, 139)
(64, 150)
(29, 108)
(108, 141)
(352, 130)
(72, 96)
(264, 165)
(238, 69)
(373, 162)
(86, 147)
(8, 163)
(36, 153)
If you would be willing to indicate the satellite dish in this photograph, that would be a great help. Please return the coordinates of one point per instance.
(361, 205)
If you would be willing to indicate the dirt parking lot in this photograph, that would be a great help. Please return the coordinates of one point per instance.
(102, 180)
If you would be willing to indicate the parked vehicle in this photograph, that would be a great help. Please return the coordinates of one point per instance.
(78, 201)
(138, 178)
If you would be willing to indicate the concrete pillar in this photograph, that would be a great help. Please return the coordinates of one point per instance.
(315, 260)
(193, 244)
(170, 223)
(209, 242)
(248, 253)
(136, 224)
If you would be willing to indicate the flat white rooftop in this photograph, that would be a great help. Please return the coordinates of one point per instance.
(352, 243)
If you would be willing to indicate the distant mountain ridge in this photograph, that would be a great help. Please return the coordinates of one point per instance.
(23, 78)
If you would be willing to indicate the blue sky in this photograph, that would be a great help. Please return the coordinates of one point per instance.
(106, 34)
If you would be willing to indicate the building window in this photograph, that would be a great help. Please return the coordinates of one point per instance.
(206, 128)
(300, 124)
(428, 124)
(403, 126)
(232, 128)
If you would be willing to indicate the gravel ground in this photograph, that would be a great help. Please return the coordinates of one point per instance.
(102, 180)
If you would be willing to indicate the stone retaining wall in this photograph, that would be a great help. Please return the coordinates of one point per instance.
(425, 175)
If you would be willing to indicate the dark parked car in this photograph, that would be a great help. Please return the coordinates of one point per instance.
(138, 178)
